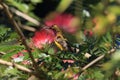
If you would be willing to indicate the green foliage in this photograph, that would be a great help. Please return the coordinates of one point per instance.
(9, 43)
(106, 42)
(36, 1)
(7, 35)
(95, 74)
(10, 50)
(4, 33)
(24, 7)
(17, 3)
(65, 64)
(10, 73)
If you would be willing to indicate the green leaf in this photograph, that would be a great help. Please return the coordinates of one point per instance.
(36, 1)
(51, 51)
(21, 6)
(109, 38)
(81, 77)
(63, 5)
(12, 71)
(10, 50)
(98, 75)
(7, 48)
(58, 75)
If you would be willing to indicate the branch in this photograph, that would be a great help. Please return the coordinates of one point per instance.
(15, 65)
(94, 61)
(25, 16)
(97, 59)
(28, 28)
(13, 22)
(32, 20)
(3, 53)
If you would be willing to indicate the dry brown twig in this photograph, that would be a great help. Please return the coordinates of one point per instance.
(28, 28)
(97, 59)
(25, 16)
(15, 65)
(2, 53)
(20, 67)
(93, 62)
(30, 19)
(17, 28)
(14, 23)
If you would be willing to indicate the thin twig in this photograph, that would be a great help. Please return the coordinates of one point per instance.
(25, 16)
(15, 65)
(89, 64)
(93, 62)
(13, 22)
(3, 53)
(97, 59)
(28, 28)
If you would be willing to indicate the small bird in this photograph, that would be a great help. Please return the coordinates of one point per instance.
(61, 42)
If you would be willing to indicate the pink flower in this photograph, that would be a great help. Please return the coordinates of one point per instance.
(19, 57)
(76, 76)
(26, 62)
(43, 37)
(19, 54)
(67, 22)
(69, 61)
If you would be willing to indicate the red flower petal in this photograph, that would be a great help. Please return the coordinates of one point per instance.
(67, 22)
(42, 37)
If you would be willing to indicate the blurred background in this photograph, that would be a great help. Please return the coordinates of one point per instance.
(92, 26)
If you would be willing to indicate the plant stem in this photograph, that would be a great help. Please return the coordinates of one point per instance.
(25, 16)
(15, 65)
(14, 23)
